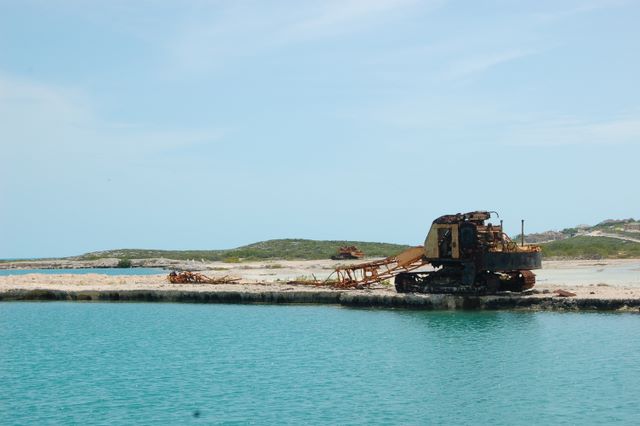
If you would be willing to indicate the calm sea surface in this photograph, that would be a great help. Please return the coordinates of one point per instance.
(104, 271)
(79, 363)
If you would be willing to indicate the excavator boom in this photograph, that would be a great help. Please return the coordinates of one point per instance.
(364, 274)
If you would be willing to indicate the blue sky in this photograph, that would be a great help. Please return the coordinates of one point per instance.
(212, 124)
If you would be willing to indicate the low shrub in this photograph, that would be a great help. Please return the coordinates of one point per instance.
(124, 263)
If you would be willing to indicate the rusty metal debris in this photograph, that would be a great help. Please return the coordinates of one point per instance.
(348, 252)
(365, 274)
(468, 255)
(188, 277)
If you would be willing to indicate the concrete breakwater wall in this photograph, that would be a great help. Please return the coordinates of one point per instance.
(344, 298)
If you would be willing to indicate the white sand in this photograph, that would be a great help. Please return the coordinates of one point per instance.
(589, 279)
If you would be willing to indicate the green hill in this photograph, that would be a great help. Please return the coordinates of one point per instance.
(285, 249)
(585, 247)
(578, 247)
(608, 239)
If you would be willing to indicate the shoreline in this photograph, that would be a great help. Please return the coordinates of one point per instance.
(599, 286)
(347, 298)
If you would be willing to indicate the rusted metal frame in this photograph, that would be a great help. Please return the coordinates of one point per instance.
(372, 272)
(188, 277)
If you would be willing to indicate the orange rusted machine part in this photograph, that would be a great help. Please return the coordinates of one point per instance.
(364, 274)
(348, 252)
(187, 277)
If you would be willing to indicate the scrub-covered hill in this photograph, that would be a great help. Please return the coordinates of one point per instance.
(286, 249)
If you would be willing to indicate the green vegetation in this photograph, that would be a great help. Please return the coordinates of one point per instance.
(27, 259)
(124, 263)
(574, 246)
(274, 266)
(285, 249)
(591, 248)
(613, 225)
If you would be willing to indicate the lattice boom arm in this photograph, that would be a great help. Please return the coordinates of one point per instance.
(364, 274)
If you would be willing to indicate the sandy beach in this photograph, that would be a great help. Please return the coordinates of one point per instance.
(601, 279)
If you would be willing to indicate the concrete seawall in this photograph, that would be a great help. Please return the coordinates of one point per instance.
(344, 298)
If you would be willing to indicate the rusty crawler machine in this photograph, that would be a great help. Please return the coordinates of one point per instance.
(348, 252)
(469, 257)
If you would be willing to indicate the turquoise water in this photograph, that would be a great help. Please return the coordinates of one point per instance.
(103, 271)
(234, 364)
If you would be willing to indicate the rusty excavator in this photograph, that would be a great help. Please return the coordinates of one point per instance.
(467, 256)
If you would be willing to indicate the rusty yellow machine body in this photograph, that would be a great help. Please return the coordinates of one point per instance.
(467, 254)
(348, 252)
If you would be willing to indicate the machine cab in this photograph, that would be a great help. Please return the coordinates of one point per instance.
(452, 234)
(442, 242)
